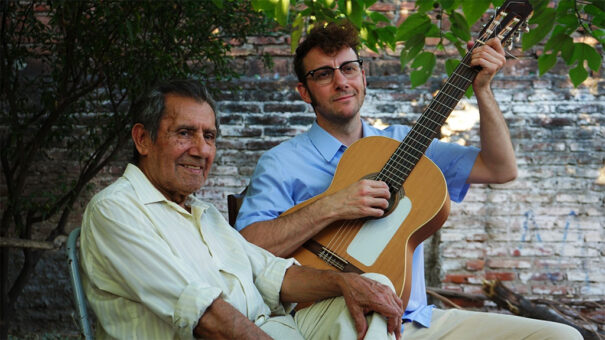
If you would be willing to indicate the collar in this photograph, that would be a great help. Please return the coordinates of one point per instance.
(328, 145)
(148, 193)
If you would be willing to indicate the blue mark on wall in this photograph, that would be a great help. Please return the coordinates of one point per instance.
(530, 227)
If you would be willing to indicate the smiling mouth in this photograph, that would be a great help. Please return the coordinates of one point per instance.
(192, 167)
(345, 97)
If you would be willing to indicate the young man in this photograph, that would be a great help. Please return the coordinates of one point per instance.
(331, 79)
(159, 263)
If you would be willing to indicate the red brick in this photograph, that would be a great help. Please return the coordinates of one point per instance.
(475, 265)
(458, 278)
(502, 276)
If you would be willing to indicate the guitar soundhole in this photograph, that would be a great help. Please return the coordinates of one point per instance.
(396, 195)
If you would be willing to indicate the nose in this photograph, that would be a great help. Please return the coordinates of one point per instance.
(200, 147)
(340, 81)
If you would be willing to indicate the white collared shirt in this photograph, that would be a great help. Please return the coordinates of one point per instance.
(150, 268)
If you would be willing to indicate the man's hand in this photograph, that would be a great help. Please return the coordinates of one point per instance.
(365, 198)
(364, 295)
(490, 57)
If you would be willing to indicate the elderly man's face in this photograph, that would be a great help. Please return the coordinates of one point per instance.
(179, 161)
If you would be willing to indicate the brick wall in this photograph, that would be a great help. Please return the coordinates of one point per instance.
(543, 234)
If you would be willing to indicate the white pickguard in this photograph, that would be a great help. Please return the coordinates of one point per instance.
(374, 235)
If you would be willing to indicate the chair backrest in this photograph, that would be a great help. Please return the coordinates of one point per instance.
(76, 283)
(234, 201)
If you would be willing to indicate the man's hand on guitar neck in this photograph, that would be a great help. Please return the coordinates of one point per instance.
(490, 57)
(496, 161)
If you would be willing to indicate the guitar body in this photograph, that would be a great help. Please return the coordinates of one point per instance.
(425, 205)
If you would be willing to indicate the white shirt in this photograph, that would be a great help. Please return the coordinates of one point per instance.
(150, 268)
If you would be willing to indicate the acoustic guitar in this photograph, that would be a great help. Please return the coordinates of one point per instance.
(419, 203)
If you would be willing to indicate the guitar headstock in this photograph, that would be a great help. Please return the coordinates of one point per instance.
(507, 21)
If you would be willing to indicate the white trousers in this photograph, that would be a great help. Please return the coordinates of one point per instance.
(328, 319)
(454, 324)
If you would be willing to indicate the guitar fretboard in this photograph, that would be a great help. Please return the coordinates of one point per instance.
(409, 152)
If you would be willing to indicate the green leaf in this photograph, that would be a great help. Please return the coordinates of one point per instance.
(281, 11)
(387, 35)
(450, 66)
(460, 26)
(354, 11)
(598, 15)
(433, 31)
(218, 3)
(297, 27)
(557, 41)
(474, 9)
(449, 5)
(563, 43)
(568, 20)
(423, 65)
(546, 62)
(411, 49)
(586, 52)
(565, 7)
(600, 5)
(379, 17)
(599, 35)
(578, 74)
(423, 6)
(414, 24)
(545, 22)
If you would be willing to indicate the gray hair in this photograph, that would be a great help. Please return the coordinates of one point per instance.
(150, 110)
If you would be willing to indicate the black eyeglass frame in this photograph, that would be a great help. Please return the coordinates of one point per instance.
(312, 72)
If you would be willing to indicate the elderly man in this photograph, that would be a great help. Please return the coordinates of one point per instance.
(159, 263)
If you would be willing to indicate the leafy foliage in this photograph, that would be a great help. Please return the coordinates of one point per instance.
(70, 73)
(449, 21)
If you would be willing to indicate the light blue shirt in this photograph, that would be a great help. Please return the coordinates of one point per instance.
(304, 166)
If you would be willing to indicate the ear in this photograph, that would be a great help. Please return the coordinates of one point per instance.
(141, 138)
(363, 75)
(304, 92)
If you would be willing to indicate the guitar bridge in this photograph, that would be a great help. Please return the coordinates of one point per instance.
(330, 257)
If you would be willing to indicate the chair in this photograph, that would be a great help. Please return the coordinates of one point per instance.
(76, 283)
(234, 202)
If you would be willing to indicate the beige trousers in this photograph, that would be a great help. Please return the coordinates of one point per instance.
(454, 324)
(328, 319)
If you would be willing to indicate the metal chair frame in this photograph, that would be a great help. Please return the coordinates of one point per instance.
(76, 283)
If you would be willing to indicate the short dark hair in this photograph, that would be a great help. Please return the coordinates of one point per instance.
(331, 38)
(151, 106)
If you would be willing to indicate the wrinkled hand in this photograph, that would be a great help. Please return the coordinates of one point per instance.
(363, 295)
(490, 57)
(360, 199)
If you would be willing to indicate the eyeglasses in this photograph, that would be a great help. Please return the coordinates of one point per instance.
(325, 75)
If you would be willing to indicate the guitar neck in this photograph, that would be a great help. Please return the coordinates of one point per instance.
(506, 21)
(405, 158)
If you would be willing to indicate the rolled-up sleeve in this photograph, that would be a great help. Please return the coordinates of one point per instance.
(268, 272)
(191, 305)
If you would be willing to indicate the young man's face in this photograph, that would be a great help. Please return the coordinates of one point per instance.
(340, 100)
(179, 161)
